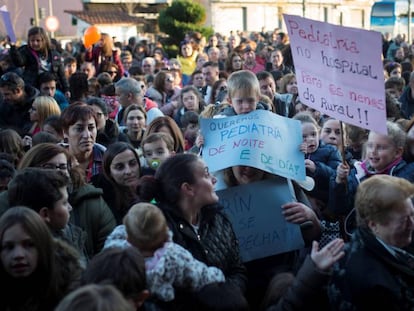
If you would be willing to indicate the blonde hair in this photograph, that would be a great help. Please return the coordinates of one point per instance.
(46, 106)
(146, 226)
(286, 79)
(107, 44)
(244, 81)
(379, 195)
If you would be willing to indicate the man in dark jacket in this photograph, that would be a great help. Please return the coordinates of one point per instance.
(16, 102)
(268, 88)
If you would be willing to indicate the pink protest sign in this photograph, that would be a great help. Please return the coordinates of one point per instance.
(339, 71)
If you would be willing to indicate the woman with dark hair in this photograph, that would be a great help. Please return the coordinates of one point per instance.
(163, 93)
(234, 62)
(184, 190)
(219, 91)
(79, 128)
(12, 143)
(79, 87)
(89, 210)
(36, 271)
(121, 172)
(37, 57)
(135, 118)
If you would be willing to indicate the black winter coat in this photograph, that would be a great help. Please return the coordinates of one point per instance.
(25, 57)
(215, 244)
(369, 277)
(16, 116)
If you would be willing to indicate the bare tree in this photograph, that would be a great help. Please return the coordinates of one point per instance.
(128, 6)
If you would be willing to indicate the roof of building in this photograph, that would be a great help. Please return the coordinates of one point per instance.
(108, 17)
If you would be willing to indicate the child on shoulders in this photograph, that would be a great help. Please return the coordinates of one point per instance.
(168, 265)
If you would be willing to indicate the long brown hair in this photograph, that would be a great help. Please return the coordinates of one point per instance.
(42, 33)
(107, 45)
(176, 133)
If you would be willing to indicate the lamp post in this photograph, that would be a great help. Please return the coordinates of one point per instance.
(36, 13)
(52, 33)
(303, 8)
(409, 21)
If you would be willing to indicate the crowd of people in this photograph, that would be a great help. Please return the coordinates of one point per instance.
(106, 202)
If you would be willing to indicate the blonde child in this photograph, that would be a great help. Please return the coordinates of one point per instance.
(243, 95)
(383, 155)
(168, 265)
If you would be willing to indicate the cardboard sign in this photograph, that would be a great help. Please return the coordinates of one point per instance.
(260, 139)
(256, 214)
(339, 71)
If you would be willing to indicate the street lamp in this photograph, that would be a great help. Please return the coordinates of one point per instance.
(303, 8)
(36, 13)
(409, 21)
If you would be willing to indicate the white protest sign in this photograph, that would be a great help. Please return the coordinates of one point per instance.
(260, 139)
(339, 71)
(256, 215)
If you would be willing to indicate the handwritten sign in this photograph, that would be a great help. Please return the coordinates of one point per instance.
(256, 214)
(339, 71)
(7, 23)
(260, 139)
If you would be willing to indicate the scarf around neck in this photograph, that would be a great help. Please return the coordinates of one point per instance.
(369, 171)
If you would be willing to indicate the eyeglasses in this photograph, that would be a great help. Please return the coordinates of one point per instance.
(61, 167)
(112, 72)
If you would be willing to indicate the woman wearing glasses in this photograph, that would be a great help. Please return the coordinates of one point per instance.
(89, 210)
(163, 92)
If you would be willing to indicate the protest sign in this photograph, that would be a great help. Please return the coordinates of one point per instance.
(255, 212)
(260, 139)
(339, 71)
(7, 23)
